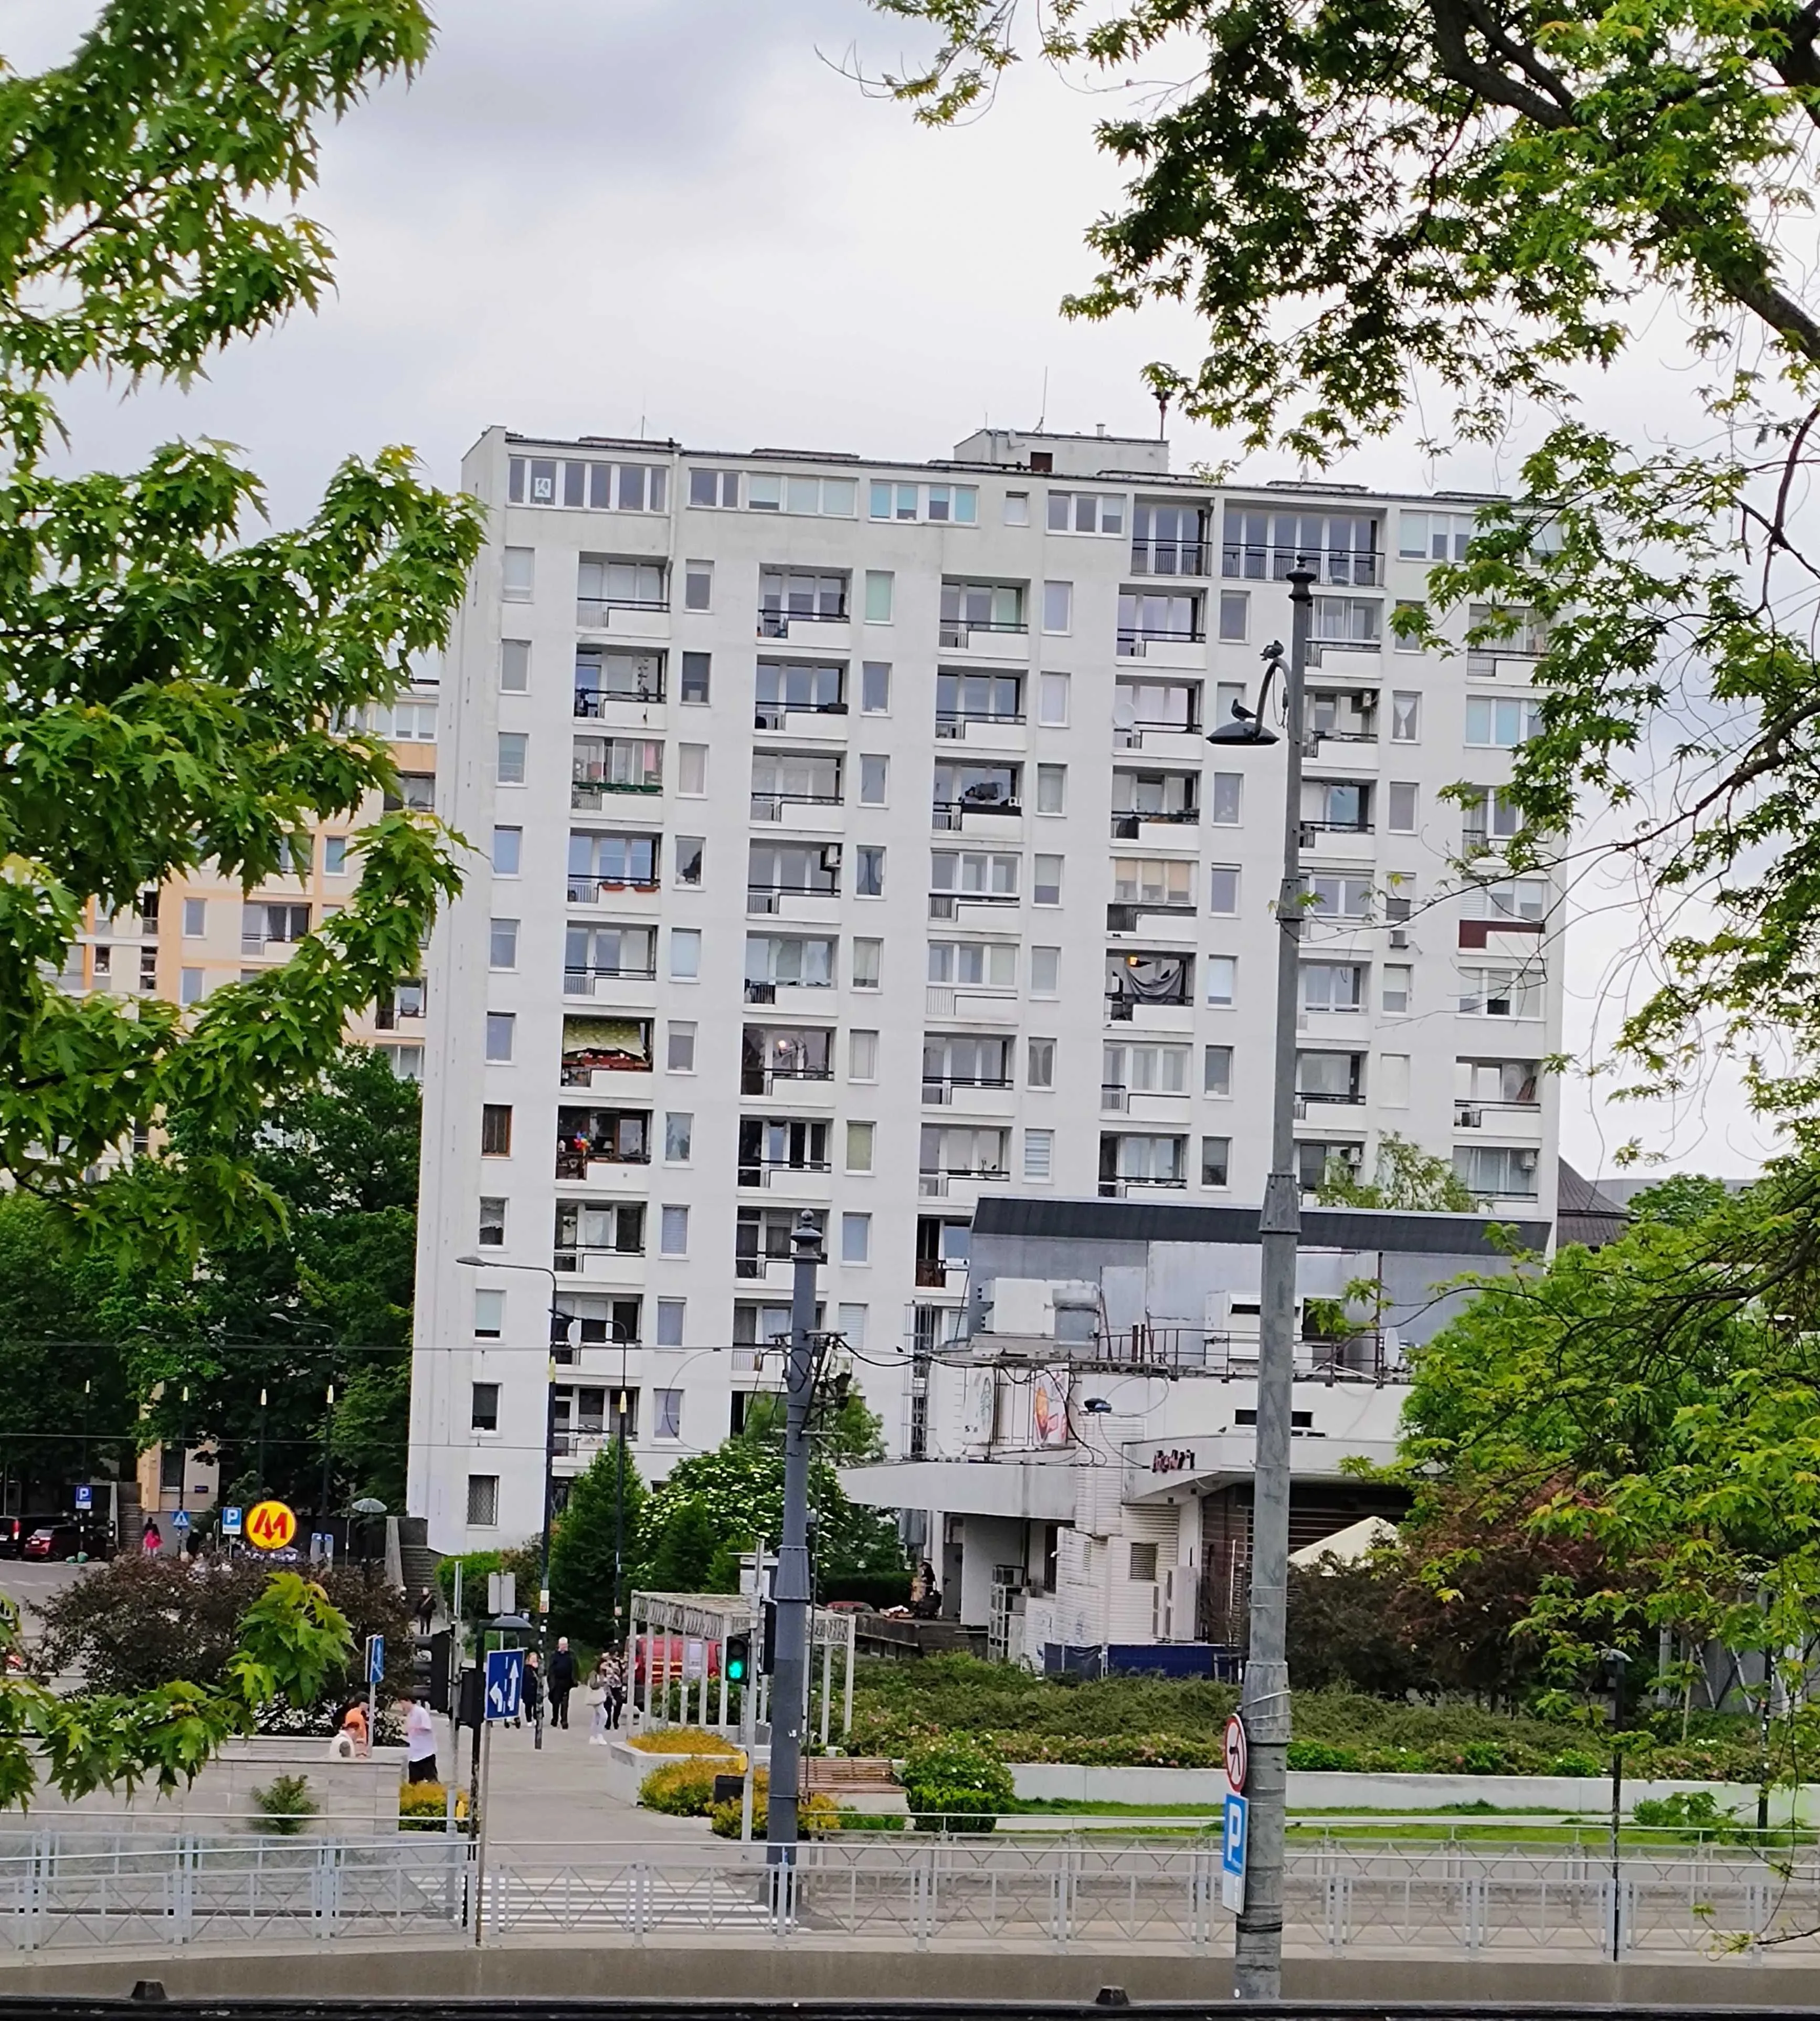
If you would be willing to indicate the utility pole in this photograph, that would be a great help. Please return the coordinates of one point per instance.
(1264, 1698)
(790, 1670)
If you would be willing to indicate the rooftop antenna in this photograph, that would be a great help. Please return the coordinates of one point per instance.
(1162, 394)
(1044, 416)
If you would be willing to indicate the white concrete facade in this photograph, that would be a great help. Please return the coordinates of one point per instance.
(932, 888)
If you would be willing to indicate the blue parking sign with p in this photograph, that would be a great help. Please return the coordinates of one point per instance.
(505, 1682)
(1237, 1823)
(84, 1496)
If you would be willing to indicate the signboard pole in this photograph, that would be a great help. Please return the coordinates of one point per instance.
(482, 1775)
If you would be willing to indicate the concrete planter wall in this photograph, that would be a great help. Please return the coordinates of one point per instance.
(1328, 1790)
(359, 1798)
(627, 1766)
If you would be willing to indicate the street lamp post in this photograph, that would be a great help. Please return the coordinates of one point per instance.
(1264, 1699)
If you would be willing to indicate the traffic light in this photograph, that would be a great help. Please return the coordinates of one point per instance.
(432, 1667)
(768, 1652)
(738, 1661)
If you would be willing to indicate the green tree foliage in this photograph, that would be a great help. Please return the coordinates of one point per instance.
(175, 692)
(1454, 212)
(1408, 1177)
(582, 1549)
(262, 1311)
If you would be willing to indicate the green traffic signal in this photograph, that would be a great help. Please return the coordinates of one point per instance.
(739, 1658)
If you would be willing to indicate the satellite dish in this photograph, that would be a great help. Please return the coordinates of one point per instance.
(1124, 713)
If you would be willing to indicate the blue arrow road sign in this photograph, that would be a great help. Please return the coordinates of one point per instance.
(375, 1658)
(1237, 1820)
(84, 1496)
(505, 1678)
(230, 1522)
(180, 1518)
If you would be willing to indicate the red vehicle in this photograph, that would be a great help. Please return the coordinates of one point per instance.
(670, 1660)
(53, 1540)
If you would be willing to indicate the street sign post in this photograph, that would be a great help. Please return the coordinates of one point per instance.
(84, 1496)
(230, 1522)
(505, 1684)
(1238, 1821)
(502, 1692)
(375, 1670)
(180, 1518)
(271, 1525)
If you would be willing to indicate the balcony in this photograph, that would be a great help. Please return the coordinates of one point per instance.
(1355, 568)
(958, 723)
(795, 807)
(791, 1082)
(595, 704)
(619, 613)
(591, 795)
(1509, 1118)
(938, 1090)
(776, 623)
(1129, 824)
(601, 1259)
(824, 722)
(769, 900)
(1163, 643)
(947, 905)
(1346, 836)
(1170, 557)
(1123, 1188)
(940, 1184)
(951, 817)
(605, 890)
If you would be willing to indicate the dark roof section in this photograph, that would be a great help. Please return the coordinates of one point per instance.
(1321, 1227)
(1585, 1214)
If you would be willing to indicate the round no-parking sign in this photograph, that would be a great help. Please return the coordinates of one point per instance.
(1237, 1755)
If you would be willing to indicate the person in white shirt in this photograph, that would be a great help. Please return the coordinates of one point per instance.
(419, 1743)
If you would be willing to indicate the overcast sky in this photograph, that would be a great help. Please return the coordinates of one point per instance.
(678, 216)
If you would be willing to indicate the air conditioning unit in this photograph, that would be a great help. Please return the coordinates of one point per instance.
(1398, 938)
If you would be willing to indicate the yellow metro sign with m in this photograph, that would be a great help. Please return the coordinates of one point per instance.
(270, 1526)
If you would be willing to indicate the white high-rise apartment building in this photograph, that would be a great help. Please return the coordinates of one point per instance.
(856, 845)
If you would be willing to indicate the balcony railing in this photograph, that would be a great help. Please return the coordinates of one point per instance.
(1133, 643)
(1361, 1357)
(932, 1273)
(769, 806)
(950, 722)
(589, 701)
(1470, 1114)
(1120, 1008)
(764, 897)
(938, 1089)
(758, 1171)
(935, 1184)
(776, 623)
(1310, 829)
(951, 815)
(581, 982)
(567, 1256)
(1353, 567)
(760, 1080)
(602, 890)
(1125, 820)
(585, 793)
(573, 1164)
(957, 632)
(774, 715)
(1170, 557)
(590, 612)
(947, 905)
(1117, 1189)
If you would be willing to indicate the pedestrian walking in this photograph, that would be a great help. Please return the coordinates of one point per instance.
(151, 1537)
(426, 1611)
(531, 1690)
(419, 1743)
(615, 1690)
(561, 1682)
(597, 1704)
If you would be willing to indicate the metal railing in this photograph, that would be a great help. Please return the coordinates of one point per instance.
(952, 722)
(588, 701)
(602, 891)
(1135, 641)
(938, 1089)
(1244, 561)
(762, 1080)
(585, 794)
(595, 613)
(773, 714)
(950, 815)
(581, 982)
(776, 623)
(767, 898)
(1165, 557)
(769, 806)
(956, 631)
(573, 1164)
(1127, 821)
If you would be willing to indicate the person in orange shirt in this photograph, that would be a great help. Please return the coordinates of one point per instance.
(353, 1727)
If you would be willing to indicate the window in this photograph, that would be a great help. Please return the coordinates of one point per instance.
(1404, 643)
(1222, 890)
(1052, 699)
(1039, 1153)
(680, 1057)
(698, 585)
(1501, 993)
(1045, 883)
(689, 850)
(1040, 1064)
(517, 574)
(407, 1062)
(483, 1409)
(692, 769)
(190, 988)
(716, 488)
(1336, 898)
(879, 585)
(1058, 606)
(1497, 1171)
(693, 687)
(973, 964)
(334, 856)
(958, 504)
(600, 487)
(1434, 536)
(1222, 980)
(685, 954)
(1493, 816)
(1395, 997)
(483, 1501)
(859, 1147)
(514, 666)
(1400, 808)
(856, 1238)
(1509, 898)
(869, 872)
(195, 919)
(1348, 620)
(789, 958)
(1051, 789)
(1333, 986)
(416, 790)
(489, 1315)
(666, 1414)
(1393, 1080)
(1217, 1071)
(867, 959)
(875, 687)
(673, 1232)
(501, 1026)
(1406, 718)
(1045, 969)
(264, 927)
(1016, 508)
(1227, 799)
(1086, 512)
(503, 945)
(874, 772)
(492, 1223)
(1145, 1069)
(1234, 615)
(513, 746)
(495, 1129)
(506, 844)
(669, 1323)
(1152, 880)
(862, 1057)
(678, 1132)
(1501, 722)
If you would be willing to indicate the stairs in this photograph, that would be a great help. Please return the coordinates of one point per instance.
(416, 1561)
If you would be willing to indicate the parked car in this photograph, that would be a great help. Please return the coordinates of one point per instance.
(14, 1529)
(53, 1540)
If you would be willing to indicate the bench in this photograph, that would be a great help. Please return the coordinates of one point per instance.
(839, 1774)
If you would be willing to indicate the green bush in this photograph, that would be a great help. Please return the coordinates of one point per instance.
(1320, 1754)
(957, 1784)
(680, 1788)
(285, 1805)
(1696, 1809)
(933, 1808)
(1577, 1761)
